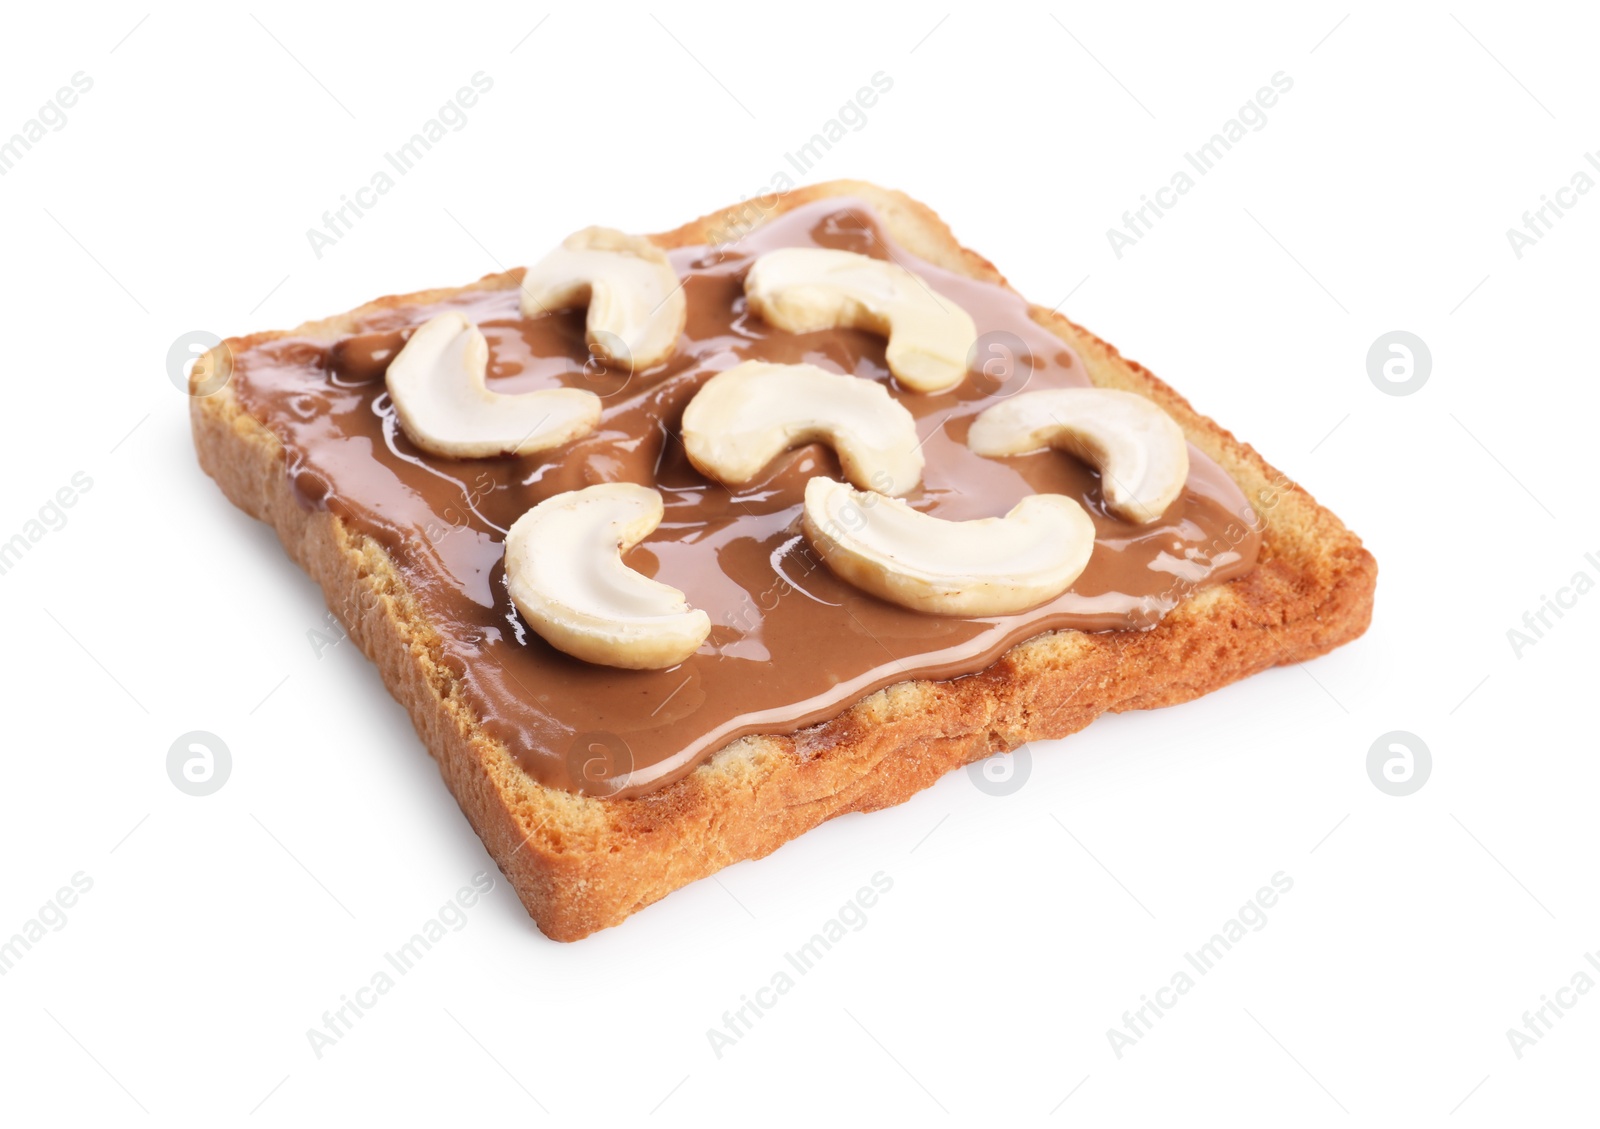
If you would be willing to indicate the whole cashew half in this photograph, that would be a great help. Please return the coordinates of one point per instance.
(743, 418)
(804, 289)
(1140, 451)
(437, 385)
(565, 572)
(992, 566)
(635, 299)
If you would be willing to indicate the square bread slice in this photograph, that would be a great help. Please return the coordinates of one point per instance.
(582, 863)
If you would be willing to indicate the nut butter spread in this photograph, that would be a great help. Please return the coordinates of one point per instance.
(791, 644)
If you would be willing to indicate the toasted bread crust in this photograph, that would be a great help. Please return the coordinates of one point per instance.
(582, 863)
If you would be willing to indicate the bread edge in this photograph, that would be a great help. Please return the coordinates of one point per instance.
(580, 863)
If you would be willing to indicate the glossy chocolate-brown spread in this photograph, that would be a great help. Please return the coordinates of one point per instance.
(791, 644)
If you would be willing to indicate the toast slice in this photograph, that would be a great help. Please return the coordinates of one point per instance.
(581, 863)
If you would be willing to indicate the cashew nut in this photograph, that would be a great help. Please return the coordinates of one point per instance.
(804, 289)
(1139, 450)
(565, 572)
(636, 303)
(437, 385)
(992, 566)
(742, 419)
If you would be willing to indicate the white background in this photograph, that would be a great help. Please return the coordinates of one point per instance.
(1019, 928)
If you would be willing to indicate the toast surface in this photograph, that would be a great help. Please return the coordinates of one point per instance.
(581, 863)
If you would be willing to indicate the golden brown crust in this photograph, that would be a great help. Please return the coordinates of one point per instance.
(580, 863)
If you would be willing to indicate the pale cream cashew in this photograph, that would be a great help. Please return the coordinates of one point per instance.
(437, 385)
(742, 419)
(804, 289)
(991, 566)
(565, 572)
(635, 299)
(1139, 449)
